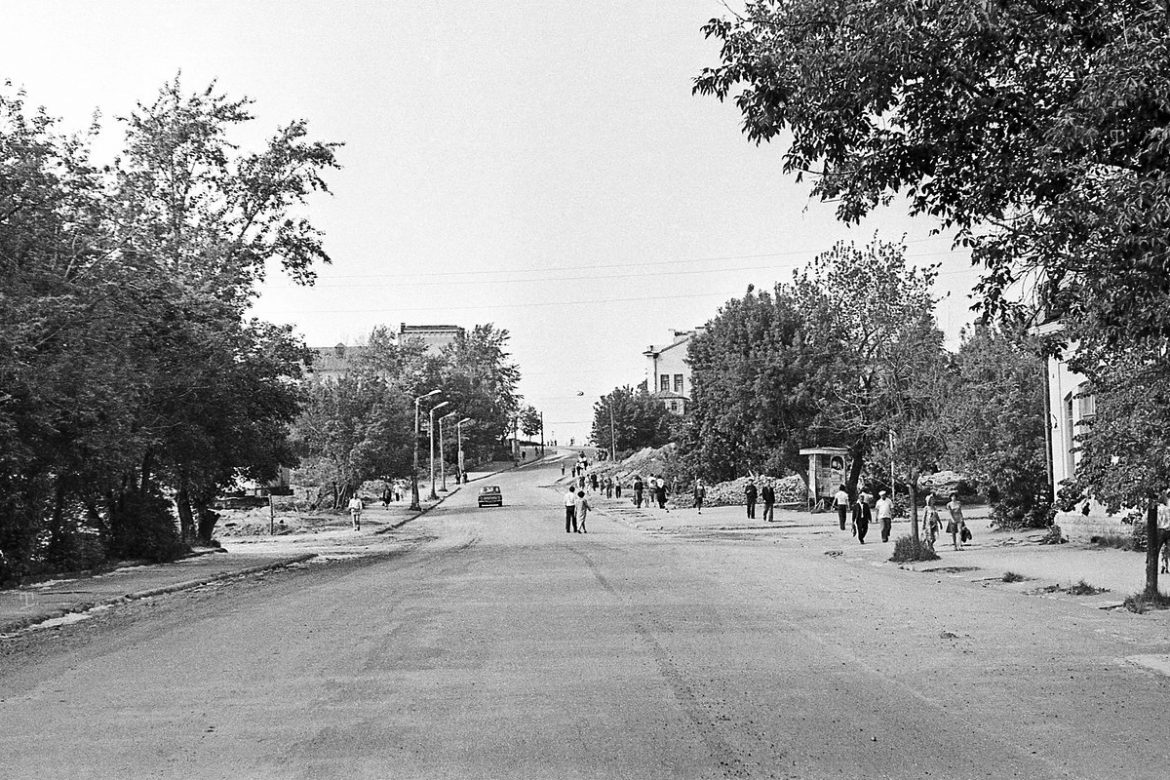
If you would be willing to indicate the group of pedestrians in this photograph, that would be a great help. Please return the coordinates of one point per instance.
(766, 494)
(864, 510)
(576, 510)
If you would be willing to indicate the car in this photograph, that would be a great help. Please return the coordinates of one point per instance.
(490, 495)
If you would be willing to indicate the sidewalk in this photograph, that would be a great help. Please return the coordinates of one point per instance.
(1045, 570)
(67, 599)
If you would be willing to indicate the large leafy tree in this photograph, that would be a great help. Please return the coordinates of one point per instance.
(627, 419)
(752, 399)
(1035, 131)
(995, 422)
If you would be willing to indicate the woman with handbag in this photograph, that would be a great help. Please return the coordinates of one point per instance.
(957, 526)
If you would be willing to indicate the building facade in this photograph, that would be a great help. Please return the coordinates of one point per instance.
(332, 363)
(668, 375)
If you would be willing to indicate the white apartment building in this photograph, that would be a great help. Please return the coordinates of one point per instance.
(668, 375)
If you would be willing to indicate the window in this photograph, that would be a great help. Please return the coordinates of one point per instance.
(1069, 421)
(664, 383)
(678, 383)
(674, 406)
(1088, 405)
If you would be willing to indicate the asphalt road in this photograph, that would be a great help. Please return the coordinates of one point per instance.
(497, 646)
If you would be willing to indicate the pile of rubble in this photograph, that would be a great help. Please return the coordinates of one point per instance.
(790, 489)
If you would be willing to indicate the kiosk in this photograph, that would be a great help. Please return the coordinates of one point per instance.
(826, 470)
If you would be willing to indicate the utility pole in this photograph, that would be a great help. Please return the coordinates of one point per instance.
(612, 447)
(434, 496)
(459, 444)
(542, 434)
(415, 506)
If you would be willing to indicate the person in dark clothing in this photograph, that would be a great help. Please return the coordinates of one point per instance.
(750, 494)
(861, 517)
(768, 496)
(593, 482)
(617, 488)
(571, 511)
(660, 492)
(638, 488)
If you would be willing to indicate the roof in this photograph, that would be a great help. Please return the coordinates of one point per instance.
(824, 451)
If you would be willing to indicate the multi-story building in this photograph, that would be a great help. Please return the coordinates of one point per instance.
(332, 363)
(668, 375)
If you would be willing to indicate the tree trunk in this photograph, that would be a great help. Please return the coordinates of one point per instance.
(57, 521)
(1152, 546)
(147, 468)
(207, 518)
(912, 489)
(186, 518)
(856, 463)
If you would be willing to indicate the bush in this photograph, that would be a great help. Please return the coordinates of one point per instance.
(906, 549)
(1140, 602)
(144, 528)
(1011, 576)
(1054, 535)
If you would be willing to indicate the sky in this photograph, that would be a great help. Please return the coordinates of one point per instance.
(540, 165)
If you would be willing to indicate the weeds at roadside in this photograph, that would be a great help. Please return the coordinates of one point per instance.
(1083, 588)
(1141, 603)
(1011, 576)
(1114, 541)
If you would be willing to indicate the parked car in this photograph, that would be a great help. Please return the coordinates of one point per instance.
(490, 495)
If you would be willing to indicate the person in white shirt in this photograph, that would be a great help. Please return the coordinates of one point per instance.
(1164, 531)
(355, 512)
(571, 510)
(885, 513)
(841, 502)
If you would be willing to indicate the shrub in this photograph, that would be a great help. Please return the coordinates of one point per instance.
(906, 549)
(1140, 602)
(1054, 535)
(1116, 541)
(1011, 576)
(1083, 588)
(145, 528)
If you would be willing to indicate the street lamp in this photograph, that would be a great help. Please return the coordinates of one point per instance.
(434, 409)
(443, 450)
(414, 505)
(459, 444)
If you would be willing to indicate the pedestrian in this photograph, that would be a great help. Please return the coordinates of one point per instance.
(609, 487)
(593, 482)
(700, 494)
(956, 526)
(660, 492)
(355, 512)
(768, 496)
(639, 486)
(571, 511)
(562, 467)
(582, 508)
(930, 521)
(581, 482)
(617, 488)
(861, 517)
(749, 494)
(1164, 531)
(885, 513)
(841, 502)
(386, 496)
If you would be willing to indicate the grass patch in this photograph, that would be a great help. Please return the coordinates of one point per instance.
(1083, 588)
(907, 549)
(1141, 603)
(1011, 576)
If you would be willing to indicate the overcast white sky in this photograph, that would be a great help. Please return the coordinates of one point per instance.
(537, 164)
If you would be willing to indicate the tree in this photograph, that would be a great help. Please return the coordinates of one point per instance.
(638, 420)
(995, 422)
(867, 315)
(1035, 131)
(753, 398)
(1125, 454)
(531, 422)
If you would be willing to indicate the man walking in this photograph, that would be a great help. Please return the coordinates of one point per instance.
(768, 496)
(861, 517)
(750, 495)
(700, 494)
(638, 488)
(841, 502)
(885, 513)
(571, 511)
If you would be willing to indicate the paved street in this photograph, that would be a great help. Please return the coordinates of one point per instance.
(495, 645)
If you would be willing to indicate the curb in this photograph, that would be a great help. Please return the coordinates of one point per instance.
(30, 623)
(418, 514)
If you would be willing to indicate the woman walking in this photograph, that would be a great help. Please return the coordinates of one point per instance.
(957, 526)
(700, 494)
(582, 508)
(930, 521)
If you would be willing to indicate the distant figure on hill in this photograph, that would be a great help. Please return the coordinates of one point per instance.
(768, 496)
(749, 494)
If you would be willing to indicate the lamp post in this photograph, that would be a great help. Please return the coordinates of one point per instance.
(414, 505)
(443, 450)
(612, 448)
(434, 409)
(459, 444)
